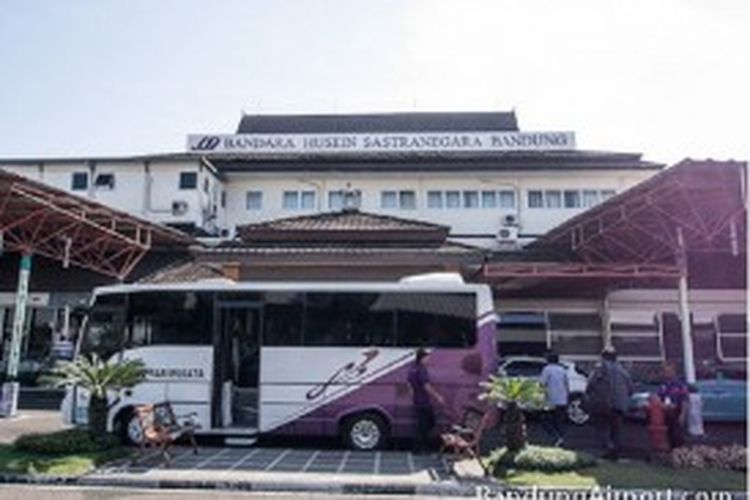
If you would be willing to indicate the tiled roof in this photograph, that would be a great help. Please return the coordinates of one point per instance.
(185, 271)
(380, 122)
(345, 226)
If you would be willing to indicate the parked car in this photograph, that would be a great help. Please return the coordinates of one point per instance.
(724, 400)
(531, 367)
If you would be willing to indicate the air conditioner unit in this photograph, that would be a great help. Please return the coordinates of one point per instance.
(510, 220)
(507, 234)
(179, 207)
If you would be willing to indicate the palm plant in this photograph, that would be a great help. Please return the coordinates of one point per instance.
(514, 394)
(100, 379)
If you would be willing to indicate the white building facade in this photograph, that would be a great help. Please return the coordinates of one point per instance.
(495, 186)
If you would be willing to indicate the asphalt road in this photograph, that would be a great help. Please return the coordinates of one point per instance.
(24, 492)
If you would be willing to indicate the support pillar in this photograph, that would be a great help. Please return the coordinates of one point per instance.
(11, 388)
(688, 357)
(606, 323)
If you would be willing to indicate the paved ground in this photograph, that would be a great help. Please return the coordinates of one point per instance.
(341, 462)
(13, 492)
(28, 421)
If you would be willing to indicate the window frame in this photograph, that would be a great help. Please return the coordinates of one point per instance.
(183, 185)
(253, 193)
(533, 194)
(77, 176)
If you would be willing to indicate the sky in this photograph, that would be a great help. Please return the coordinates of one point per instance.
(667, 78)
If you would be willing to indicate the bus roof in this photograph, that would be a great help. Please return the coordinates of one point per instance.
(438, 282)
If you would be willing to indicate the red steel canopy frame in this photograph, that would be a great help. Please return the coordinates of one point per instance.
(38, 219)
(693, 206)
(645, 233)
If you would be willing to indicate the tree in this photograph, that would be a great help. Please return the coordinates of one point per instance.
(514, 394)
(100, 379)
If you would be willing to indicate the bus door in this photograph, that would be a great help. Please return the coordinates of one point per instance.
(237, 365)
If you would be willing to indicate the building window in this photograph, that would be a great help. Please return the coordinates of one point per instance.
(307, 200)
(335, 200)
(105, 181)
(253, 200)
(471, 199)
(404, 200)
(344, 199)
(453, 199)
(572, 199)
(552, 199)
(536, 199)
(388, 199)
(507, 199)
(590, 198)
(298, 200)
(434, 199)
(290, 200)
(407, 200)
(188, 180)
(79, 181)
(607, 193)
(489, 199)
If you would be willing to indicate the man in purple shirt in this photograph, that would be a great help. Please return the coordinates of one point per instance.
(421, 392)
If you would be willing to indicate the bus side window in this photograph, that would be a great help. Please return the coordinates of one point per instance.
(436, 319)
(169, 318)
(282, 319)
(346, 319)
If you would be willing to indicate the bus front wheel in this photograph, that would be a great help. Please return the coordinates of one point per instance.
(129, 428)
(365, 431)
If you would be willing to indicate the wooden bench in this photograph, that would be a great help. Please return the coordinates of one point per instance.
(160, 428)
(464, 439)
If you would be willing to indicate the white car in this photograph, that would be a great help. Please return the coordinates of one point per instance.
(531, 367)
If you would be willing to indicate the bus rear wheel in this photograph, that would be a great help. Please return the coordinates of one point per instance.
(365, 431)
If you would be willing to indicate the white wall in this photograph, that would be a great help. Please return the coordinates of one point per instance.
(143, 189)
(463, 221)
(150, 189)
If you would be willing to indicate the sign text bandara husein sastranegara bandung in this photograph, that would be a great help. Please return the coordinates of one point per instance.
(381, 142)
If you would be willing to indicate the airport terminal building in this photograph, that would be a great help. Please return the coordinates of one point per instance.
(583, 249)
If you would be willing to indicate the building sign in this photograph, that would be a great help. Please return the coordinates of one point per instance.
(380, 142)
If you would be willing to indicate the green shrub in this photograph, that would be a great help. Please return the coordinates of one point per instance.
(539, 458)
(65, 442)
(710, 457)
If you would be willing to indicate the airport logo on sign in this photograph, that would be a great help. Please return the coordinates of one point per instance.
(206, 143)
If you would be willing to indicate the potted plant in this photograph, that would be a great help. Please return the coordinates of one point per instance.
(513, 395)
(100, 379)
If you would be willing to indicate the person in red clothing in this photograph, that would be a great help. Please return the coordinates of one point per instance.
(422, 393)
(674, 393)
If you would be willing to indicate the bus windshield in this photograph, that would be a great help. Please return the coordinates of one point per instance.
(105, 327)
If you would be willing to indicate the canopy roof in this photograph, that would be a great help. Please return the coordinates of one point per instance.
(701, 203)
(39, 219)
(637, 236)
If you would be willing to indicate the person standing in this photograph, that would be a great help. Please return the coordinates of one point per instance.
(674, 393)
(422, 393)
(608, 395)
(554, 378)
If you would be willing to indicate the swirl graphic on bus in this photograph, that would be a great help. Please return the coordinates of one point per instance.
(350, 372)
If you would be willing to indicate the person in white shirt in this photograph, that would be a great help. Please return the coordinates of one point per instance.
(694, 410)
(554, 378)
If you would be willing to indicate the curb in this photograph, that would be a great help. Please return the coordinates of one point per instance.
(442, 489)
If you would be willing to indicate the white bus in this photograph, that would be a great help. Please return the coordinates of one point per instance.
(324, 359)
